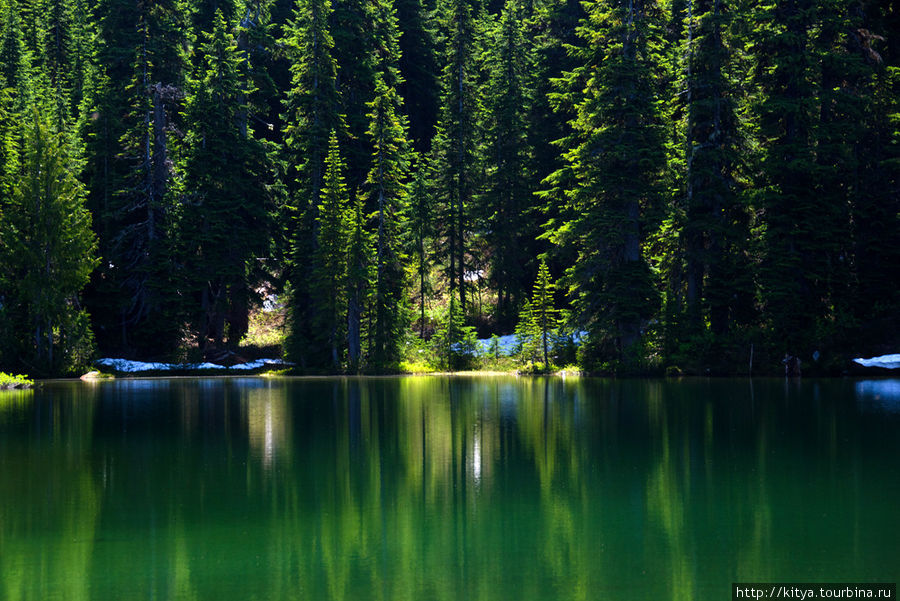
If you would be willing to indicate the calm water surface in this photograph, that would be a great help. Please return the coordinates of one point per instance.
(445, 488)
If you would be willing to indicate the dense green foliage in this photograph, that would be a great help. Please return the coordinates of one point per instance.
(700, 177)
(14, 381)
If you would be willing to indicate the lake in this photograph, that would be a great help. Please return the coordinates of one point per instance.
(418, 488)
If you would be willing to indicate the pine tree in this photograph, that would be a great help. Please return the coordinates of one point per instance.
(48, 249)
(614, 162)
(359, 282)
(420, 225)
(330, 261)
(225, 223)
(456, 141)
(353, 24)
(418, 67)
(528, 335)
(508, 193)
(203, 16)
(65, 36)
(843, 97)
(551, 29)
(794, 274)
(15, 58)
(876, 198)
(133, 300)
(543, 311)
(311, 113)
(387, 191)
(311, 104)
(716, 223)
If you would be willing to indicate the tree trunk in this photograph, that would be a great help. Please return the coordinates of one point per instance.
(353, 330)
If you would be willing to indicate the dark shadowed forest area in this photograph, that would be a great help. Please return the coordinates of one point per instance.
(629, 186)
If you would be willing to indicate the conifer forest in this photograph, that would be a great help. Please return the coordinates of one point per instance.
(629, 186)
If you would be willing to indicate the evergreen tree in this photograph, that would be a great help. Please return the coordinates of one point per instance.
(65, 36)
(330, 261)
(387, 191)
(311, 113)
(133, 299)
(508, 193)
(312, 106)
(876, 199)
(353, 24)
(359, 282)
(543, 311)
(528, 335)
(203, 16)
(456, 141)
(795, 270)
(551, 29)
(420, 225)
(47, 250)
(225, 224)
(716, 223)
(15, 58)
(418, 68)
(614, 161)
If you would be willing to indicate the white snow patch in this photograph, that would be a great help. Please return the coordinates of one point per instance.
(259, 363)
(885, 361)
(127, 366)
(507, 344)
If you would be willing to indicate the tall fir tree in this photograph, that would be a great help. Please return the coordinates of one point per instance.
(329, 271)
(386, 186)
(543, 311)
(312, 108)
(312, 112)
(718, 286)
(456, 142)
(15, 58)
(65, 41)
(876, 199)
(796, 222)
(47, 249)
(551, 29)
(134, 101)
(508, 194)
(418, 66)
(359, 284)
(226, 180)
(615, 158)
(353, 24)
(420, 236)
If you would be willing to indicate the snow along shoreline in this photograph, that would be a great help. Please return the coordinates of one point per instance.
(136, 367)
(884, 361)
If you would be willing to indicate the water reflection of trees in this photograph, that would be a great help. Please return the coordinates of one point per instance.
(412, 488)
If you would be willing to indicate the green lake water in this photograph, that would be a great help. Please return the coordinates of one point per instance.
(439, 488)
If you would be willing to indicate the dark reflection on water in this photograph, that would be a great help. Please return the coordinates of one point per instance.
(440, 488)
